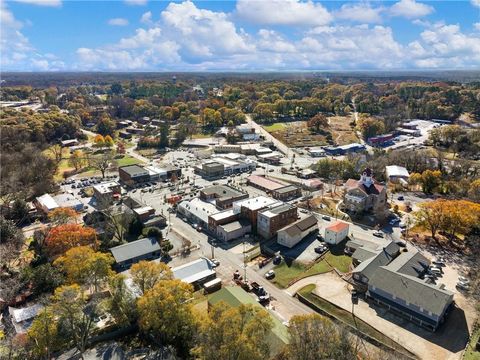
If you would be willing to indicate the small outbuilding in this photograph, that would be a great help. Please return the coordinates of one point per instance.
(336, 233)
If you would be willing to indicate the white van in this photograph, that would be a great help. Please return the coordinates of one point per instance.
(436, 271)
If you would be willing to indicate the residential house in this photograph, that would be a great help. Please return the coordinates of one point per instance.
(128, 254)
(195, 273)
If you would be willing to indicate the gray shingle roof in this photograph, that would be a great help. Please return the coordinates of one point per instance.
(384, 256)
(410, 262)
(411, 289)
(134, 249)
(297, 227)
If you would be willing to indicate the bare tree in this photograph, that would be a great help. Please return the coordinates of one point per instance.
(102, 162)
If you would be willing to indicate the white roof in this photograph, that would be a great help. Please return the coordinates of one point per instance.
(193, 271)
(224, 161)
(223, 215)
(270, 155)
(47, 201)
(19, 315)
(105, 188)
(143, 210)
(199, 208)
(398, 171)
(255, 203)
(153, 170)
(67, 200)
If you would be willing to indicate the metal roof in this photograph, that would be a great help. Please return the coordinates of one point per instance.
(193, 271)
(134, 249)
(134, 170)
(47, 201)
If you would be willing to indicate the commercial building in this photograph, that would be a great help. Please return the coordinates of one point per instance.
(393, 279)
(210, 170)
(47, 203)
(147, 216)
(292, 234)
(397, 174)
(365, 195)
(336, 233)
(270, 158)
(380, 139)
(105, 192)
(233, 230)
(344, 149)
(132, 175)
(286, 193)
(272, 219)
(195, 273)
(197, 211)
(248, 209)
(222, 196)
(128, 254)
(227, 148)
(264, 184)
(316, 152)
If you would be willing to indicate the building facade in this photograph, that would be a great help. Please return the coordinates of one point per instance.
(272, 219)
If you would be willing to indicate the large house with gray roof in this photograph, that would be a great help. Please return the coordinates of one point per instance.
(394, 279)
(130, 253)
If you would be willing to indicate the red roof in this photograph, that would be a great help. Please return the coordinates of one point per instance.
(375, 188)
(338, 226)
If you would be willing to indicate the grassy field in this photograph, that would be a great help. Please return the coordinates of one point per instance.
(127, 160)
(347, 318)
(339, 262)
(285, 274)
(275, 127)
(470, 353)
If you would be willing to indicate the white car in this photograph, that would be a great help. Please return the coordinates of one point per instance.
(378, 234)
(270, 274)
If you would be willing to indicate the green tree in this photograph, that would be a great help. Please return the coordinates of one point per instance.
(166, 314)
(44, 335)
(85, 266)
(106, 126)
(146, 274)
(121, 304)
(235, 333)
(76, 159)
(44, 278)
(305, 344)
(318, 122)
(75, 315)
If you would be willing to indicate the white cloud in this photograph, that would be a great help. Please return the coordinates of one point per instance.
(118, 22)
(272, 41)
(410, 9)
(202, 33)
(136, 2)
(477, 26)
(146, 18)
(446, 46)
(360, 12)
(283, 12)
(15, 48)
(54, 3)
(475, 3)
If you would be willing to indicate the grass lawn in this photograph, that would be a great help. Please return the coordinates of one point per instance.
(470, 353)
(285, 274)
(274, 127)
(339, 262)
(347, 318)
(127, 160)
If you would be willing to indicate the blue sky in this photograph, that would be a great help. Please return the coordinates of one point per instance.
(242, 35)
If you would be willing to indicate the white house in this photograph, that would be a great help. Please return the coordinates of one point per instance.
(397, 174)
(336, 232)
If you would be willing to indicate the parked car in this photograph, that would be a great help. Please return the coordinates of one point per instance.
(277, 260)
(401, 198)
(435, 271)
(215, 263)
(438, 262)
(270, 274)
(401, 243)
(378, 234)
(463, 286)
(321, 249)
(325, 217)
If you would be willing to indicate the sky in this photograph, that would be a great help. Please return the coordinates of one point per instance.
(241, 35)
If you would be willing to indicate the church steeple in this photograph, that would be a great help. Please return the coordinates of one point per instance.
(366, 178)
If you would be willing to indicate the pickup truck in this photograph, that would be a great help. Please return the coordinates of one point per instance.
(263, 296)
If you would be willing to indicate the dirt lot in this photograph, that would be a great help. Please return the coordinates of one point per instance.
(341, 130)
(297, 134)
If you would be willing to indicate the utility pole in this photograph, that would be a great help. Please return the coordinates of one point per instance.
(244, 263)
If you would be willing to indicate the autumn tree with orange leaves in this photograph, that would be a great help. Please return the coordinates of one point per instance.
(64, 237)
